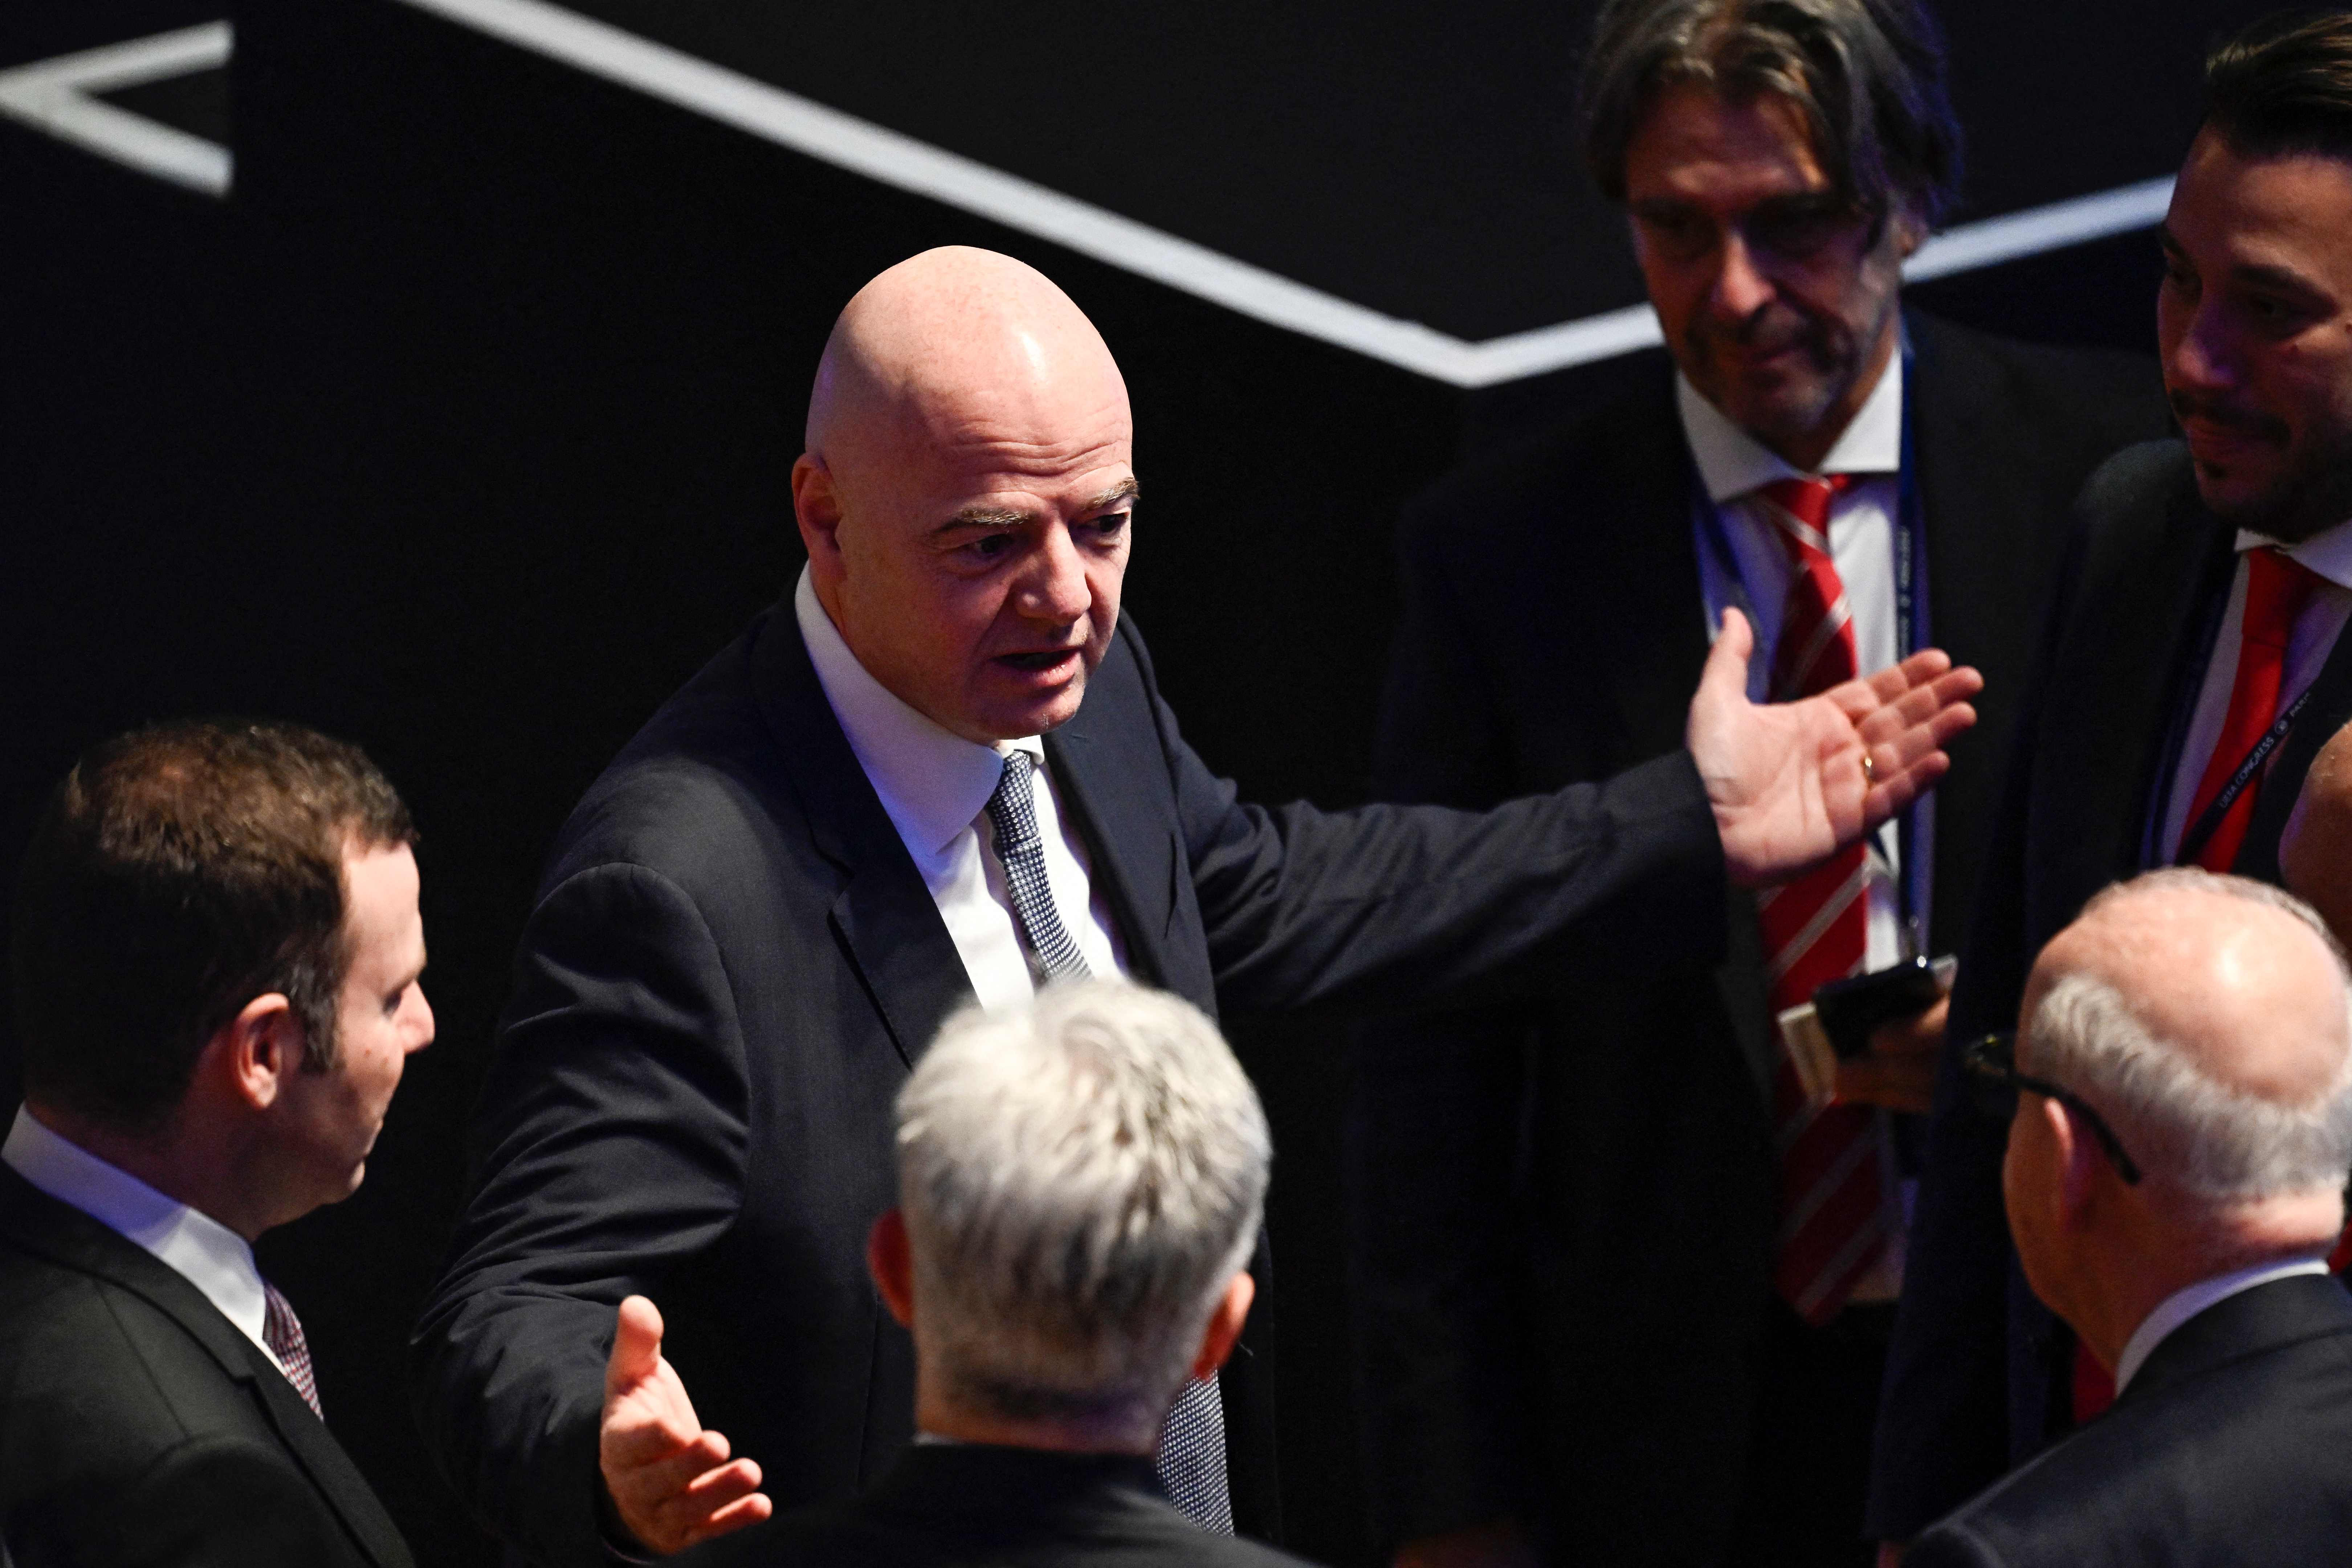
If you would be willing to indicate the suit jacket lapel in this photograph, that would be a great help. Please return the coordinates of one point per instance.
(2133, 654)
(1980, 515)
(67, 1237)
(1133, 849)
(884, 915)
(1634, 574)
(330, 1468)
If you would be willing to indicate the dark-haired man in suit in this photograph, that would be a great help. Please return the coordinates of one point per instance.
(939, 771)
(2182, 1120)
(2191, 667)
(1625, 1295)
(216, 967)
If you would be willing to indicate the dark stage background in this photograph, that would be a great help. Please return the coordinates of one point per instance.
(462, 428)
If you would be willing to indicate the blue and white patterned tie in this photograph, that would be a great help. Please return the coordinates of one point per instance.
(1191, 1458)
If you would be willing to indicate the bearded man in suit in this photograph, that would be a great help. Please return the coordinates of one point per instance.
(936, 773)
(2191, 667)
(217, 960)
(1623, 1286)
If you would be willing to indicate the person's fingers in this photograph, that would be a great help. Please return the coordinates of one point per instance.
(662, 1476)
(751, 1510)
(1918, 704)
(1894, 793)
(714, 1489)
(1891, 754)
(715, 1502)
(1865, 693)
(637, 1346)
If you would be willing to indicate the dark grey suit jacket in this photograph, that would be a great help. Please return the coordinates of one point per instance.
(1976, 1378)
(967, 1506)
(733, 964)
(139, 1426)
(2227, 1450)
(1563, 1211)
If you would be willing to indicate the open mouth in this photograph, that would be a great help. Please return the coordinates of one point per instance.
(1044, 659)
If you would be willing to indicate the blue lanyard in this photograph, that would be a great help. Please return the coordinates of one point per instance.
(1915, 827)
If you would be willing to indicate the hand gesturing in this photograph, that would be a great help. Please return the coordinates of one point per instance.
(1787, 778)
(669, 1479)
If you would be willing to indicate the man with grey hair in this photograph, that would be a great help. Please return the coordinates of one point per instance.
(2177, 1150)
(1652, 1331)
(1081, 1184)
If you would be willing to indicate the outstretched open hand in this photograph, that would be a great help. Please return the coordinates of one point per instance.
(669, 1479)
(1787, 780)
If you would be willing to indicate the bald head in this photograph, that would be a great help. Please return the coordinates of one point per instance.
(966, 488)
(2316, 850)
(2206, 1021)
(2238, 988)
(950, 338)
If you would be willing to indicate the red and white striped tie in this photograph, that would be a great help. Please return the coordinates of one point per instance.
(1834, 1220)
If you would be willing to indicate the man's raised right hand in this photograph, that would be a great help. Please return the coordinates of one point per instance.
(670, 1480)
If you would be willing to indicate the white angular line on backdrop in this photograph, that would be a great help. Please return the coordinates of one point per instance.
(55, 95)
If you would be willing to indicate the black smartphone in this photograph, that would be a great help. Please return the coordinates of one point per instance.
(1850, 1009)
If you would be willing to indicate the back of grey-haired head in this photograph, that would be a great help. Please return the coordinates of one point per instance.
(2210, 1137)
(1080, 1181)
(1866, 75)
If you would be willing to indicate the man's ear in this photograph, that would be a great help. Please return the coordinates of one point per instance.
(892, 1263)
(1225, 1324)
(2078, 1162)
(817, 506)
(255, 1053)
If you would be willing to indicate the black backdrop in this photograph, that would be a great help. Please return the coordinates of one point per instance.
(462, 429)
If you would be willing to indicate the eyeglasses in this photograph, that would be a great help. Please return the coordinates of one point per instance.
(1989, 1067)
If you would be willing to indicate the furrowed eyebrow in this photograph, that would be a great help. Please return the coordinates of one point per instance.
(1126, 489)
(985, 516)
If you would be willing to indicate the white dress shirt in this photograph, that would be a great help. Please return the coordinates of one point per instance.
(935, 786)
(2330, 555)
(1732, 467)
(2184, 1304)
(198, 1248)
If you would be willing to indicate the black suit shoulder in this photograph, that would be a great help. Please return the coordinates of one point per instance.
(2239, 1463)
(2113, 397)
(964, 1507)
(124, 1439)
(1541, 473)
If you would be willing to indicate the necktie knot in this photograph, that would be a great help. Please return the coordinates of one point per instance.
(1011, 810)
(1800, 507)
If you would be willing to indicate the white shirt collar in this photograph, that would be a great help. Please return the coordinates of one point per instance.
(202, 1250)
(932, 783)
(1731, 462)
(2328, 552)
(2186, 1303)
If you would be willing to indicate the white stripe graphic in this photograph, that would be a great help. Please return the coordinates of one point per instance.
(54, 96)
(884, 155)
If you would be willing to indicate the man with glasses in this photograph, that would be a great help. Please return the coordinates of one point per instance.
(1625, 1294)
(2179, 1113)
(2192, 666)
